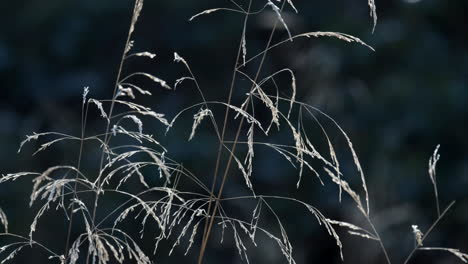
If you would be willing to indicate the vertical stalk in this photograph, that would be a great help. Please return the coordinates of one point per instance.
(226, 114)
(207, 232)
(387, 258)
(108, 136)
(84, 116)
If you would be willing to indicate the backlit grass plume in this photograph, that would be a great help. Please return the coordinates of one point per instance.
(181, 209)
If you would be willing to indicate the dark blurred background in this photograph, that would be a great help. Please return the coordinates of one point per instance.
(396, 104)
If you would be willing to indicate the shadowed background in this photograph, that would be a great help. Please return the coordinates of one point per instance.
(396, 104)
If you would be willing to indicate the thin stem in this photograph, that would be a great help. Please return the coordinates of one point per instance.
(221, 142)
(204, 100)
(429, 230)
(376, 234)
(29, 241)
(107, 135)
(226, 171)
(302, 35)
(84, 116)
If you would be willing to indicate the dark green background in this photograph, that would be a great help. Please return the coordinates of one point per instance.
(396, 104)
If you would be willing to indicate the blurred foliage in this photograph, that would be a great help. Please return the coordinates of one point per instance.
(396, 104)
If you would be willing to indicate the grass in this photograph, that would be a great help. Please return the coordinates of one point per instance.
(183, 206)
